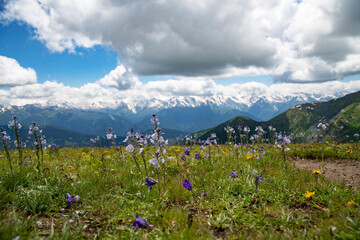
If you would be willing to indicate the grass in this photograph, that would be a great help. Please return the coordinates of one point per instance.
(33, 203)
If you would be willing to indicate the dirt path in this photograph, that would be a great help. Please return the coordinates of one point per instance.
(342, 170)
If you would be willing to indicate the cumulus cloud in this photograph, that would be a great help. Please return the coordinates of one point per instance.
(296, 41)
(120, 78)
(12, 74)
(94, 95)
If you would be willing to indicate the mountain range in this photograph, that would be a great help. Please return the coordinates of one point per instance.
(179, 116)
(342, 116)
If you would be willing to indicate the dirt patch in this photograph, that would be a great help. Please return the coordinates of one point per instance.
(343, 170)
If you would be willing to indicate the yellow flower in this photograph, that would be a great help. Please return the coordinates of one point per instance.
(223, 152)
(83, 153)
(349, 151)
(351, 203)
(309, 195)
(338, 146)
(250, 156)
(178, 150)
(316, 172)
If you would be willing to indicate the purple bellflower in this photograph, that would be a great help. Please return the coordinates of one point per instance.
(140, 223)
(187, 152)
(150, 183)
(234, 174)
(71, 199)
(187, 184)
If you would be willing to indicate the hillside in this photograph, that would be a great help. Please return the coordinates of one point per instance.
(344, 111)
(54, 135)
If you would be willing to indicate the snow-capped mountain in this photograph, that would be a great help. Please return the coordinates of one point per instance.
(191, 113)
(259, 107)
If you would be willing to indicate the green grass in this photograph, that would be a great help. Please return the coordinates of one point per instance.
(33, 204)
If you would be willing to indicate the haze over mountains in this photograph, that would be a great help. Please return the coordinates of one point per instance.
(179, 116)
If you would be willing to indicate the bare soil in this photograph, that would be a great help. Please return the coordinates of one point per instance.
(342, 170)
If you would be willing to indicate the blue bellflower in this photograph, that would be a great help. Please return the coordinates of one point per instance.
(71, 199)
(234, 174)
(140, 223)
(150, 183)
(187, 184)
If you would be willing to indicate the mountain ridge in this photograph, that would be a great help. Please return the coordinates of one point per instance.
(340, 113)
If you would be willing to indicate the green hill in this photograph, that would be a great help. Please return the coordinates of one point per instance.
(304, 118)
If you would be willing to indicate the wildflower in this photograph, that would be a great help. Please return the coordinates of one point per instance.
(197, 156)
(322, 125)
(140, 223)
(309, 195)
(150, 183)
(26, 163)
(154, 161)
(351, 203)
(250, 156)
(234, 174)
(71, 199)
(203, 194)
(187, 152)
(316, 172)
(129, 148)
(187, 184)
(349, 151)
(183, 158)
(258, 179)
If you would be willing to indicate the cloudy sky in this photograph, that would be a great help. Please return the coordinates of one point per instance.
(82, 52)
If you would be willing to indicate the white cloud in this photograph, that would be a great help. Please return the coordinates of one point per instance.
(120, 78)
(12, 74)
(312, 41)
(94, 95)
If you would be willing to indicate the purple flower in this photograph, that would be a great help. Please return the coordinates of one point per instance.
(183, 158)
(203, 193)
(187, 184)
(140, 223)
(197, 156)
(71, 199)
(187, 152)
(26, 163)
(258, 179)
(129, 148)
(150, 183)
(234, 174)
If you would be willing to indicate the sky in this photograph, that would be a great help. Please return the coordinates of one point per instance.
(103, 52)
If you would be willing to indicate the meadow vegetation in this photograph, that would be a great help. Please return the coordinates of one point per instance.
(196, 190)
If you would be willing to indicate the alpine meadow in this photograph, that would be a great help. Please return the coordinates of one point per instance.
(153, 119)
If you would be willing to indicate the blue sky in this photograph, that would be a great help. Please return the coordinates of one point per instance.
(74, 69)
(128, 51)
